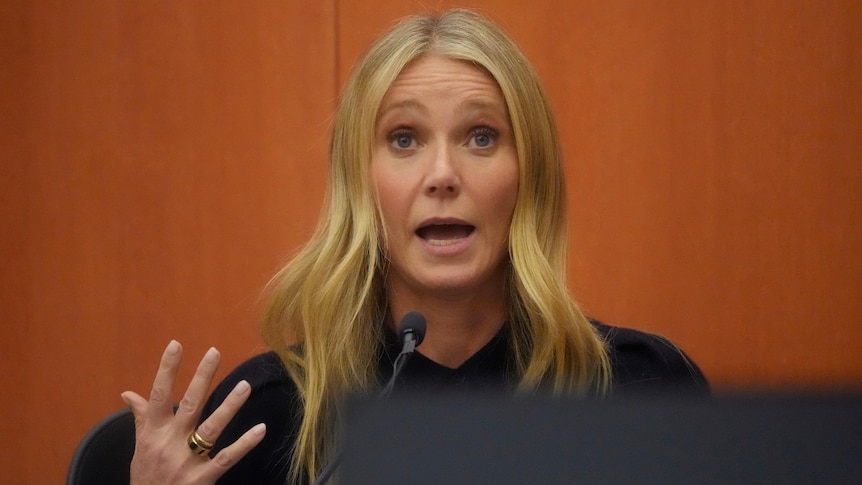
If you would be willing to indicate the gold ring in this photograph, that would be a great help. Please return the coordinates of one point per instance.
(199, 445)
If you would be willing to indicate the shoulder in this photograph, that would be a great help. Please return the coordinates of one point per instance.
(645, 363)
(274, 400)
(265, 374)
(261, 371)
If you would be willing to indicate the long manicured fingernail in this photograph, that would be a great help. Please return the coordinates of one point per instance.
(241, 388)
(212, 355)
(173, 348)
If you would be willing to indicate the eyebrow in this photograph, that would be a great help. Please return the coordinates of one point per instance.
(481, 104)
(466, 106)
(403, 104)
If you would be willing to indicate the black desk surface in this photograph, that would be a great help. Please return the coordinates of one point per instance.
(482, 440)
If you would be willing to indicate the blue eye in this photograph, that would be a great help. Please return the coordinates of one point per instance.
(483, 140)
(401, 139)
(484, 137)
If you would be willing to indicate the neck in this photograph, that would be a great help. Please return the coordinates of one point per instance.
(458, 326)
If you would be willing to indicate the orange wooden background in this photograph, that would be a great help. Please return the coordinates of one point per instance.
(160, 159)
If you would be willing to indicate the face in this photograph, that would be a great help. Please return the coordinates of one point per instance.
(445, 169)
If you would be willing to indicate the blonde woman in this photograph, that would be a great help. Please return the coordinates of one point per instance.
(446, 197)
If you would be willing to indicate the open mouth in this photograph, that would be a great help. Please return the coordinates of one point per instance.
(444, 232)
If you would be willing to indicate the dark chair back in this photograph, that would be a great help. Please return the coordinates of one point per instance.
(103, 456)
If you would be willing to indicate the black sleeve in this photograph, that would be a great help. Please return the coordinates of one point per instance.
(644, 363)
(273, 401)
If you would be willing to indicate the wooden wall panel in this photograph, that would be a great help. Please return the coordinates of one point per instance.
(159, 160)
(163, 159)
(713, 161)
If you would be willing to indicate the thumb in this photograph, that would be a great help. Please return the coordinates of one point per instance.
(136, 403)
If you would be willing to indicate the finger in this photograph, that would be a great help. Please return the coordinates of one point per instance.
(190, 406)
(228, 457)
(136, 403)
(211, 428)
(160, 407)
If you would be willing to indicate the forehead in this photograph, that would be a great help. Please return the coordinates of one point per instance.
(437, 76)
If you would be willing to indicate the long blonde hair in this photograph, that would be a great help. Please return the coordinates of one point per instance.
(328, 304)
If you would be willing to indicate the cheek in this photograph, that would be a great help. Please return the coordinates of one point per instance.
(503, 195)
(388, 194)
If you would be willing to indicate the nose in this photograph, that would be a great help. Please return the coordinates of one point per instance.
(442, 178)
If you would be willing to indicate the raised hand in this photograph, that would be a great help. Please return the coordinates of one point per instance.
(168, 448)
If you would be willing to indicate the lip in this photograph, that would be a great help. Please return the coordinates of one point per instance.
(450, 248)
(443, 220)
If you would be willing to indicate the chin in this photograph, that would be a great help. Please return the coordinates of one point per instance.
(453, 283)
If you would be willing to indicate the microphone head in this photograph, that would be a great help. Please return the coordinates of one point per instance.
(413, 322)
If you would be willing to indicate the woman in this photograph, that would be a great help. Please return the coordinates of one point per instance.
(446, 197)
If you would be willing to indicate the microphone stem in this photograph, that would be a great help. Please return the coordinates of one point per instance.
(399, 364)
(330, 467)
(400, 361)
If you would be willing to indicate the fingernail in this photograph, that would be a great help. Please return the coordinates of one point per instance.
(258, 429)
(173, 348)
(212, 355)
(241, 388)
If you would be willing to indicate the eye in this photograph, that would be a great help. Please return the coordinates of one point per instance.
(483, 137)
(402, 139)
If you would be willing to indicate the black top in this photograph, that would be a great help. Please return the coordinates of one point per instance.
(642, 363)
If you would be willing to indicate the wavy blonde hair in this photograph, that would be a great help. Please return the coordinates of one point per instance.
(328, 304)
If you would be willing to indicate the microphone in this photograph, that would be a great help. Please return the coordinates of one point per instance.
(411, 329)
(412, 332)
